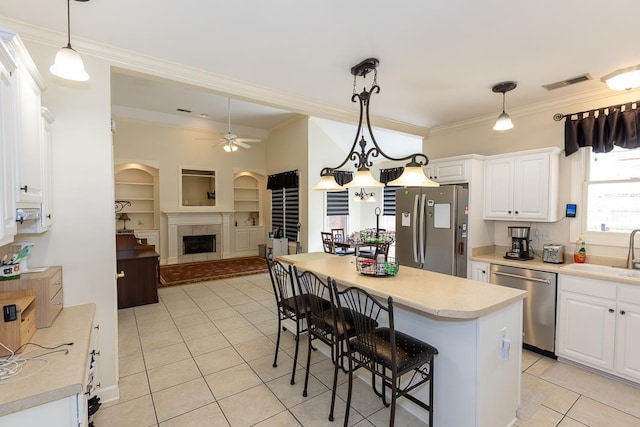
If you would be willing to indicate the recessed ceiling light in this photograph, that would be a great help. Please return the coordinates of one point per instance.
(204, 116)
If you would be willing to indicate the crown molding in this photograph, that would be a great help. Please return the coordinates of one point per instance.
(224, 85)
(551, 107)
(191, 123)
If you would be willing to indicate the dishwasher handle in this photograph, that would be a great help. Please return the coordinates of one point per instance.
(518, 276)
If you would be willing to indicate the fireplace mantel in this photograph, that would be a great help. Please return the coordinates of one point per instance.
(197, 216)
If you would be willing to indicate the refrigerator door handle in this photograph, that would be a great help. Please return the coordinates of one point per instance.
(414, 234)
(423, 223)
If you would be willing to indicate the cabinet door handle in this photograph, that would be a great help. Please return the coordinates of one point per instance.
(611, 310)
(120, 275)
(509, 212)
(49, 216)
(25, 188)
(516, 212)
(623, 312)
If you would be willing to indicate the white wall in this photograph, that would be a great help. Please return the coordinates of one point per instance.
(533, 129)
(289, 150)
(82, 239)
(169, 148)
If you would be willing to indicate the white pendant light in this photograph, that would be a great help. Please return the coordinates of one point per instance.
(68, 64)
(413, 176)
(624, 79)
(503, 122)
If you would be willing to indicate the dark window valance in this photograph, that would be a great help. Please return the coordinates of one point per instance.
(343, 177)
(283, 180)
(603, 128)
(390, 174)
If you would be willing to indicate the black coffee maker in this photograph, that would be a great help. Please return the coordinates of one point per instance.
(519, 244)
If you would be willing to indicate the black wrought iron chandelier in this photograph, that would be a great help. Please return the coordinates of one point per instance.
(412, 176)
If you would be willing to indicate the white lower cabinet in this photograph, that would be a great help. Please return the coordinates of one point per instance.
(247, 240)
(598, 325)
(479, 271)
(628, 333)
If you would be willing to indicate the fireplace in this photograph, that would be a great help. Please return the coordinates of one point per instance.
(200, 244)
(181, 223)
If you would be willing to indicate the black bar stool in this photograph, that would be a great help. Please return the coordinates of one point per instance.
(385, 352)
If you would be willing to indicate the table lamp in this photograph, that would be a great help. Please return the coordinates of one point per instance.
(124, 218)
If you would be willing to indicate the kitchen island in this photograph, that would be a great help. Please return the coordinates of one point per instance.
(467, 321)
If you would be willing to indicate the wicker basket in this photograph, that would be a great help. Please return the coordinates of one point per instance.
(370, 267)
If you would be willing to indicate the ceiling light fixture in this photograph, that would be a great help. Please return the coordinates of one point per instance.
(363, 196)
(230, 146)
(503, 122)
(623, 79)
(68, 64)
(363, 158)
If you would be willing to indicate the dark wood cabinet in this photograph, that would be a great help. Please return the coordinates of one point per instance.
(140, 264)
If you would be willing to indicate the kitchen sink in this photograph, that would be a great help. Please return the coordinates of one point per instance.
(603, 269)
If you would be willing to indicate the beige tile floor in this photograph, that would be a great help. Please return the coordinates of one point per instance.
(203, 357)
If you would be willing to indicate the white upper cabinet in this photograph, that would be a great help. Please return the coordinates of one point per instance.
(29, 155)
(449, 170)
(522, 186)
(7, 147)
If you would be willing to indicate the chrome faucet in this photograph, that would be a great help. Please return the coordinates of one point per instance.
(632, 262)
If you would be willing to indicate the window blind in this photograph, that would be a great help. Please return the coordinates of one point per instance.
(389, 201)
(338, 203)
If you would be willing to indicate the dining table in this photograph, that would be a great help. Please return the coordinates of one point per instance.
(476, 327)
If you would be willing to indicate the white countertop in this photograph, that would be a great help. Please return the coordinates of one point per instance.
(64, 375)
(538, 264)
(434, 294)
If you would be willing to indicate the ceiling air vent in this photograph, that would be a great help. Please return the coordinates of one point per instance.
(568, 82)
(183, 110)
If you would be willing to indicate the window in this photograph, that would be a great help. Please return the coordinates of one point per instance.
(388, 220)
(337, 210)
(612, 191)
(285, 212)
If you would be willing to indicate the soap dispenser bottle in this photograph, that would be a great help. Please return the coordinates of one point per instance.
(580, 255)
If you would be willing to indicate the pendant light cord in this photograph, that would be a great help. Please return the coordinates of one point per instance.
(68, 24)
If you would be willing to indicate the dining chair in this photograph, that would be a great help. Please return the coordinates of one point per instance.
(327, 242)
(387, 353)
(339, 235)
(291, 306)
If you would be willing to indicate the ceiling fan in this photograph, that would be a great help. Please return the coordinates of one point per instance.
(230, 141)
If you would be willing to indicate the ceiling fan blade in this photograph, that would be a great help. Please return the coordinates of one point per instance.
(241, 144)
(249, 139)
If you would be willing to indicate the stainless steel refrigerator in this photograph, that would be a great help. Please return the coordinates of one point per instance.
(431, 228)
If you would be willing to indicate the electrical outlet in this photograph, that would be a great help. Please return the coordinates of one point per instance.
(544, 234)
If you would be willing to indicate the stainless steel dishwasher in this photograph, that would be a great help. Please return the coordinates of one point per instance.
(539, 311)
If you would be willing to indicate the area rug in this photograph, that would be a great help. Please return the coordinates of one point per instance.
(194, 272)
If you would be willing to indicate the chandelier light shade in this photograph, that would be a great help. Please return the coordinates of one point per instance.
(411, 176)
(623, 79)
(364, 179)
(328, 183)
(363, 157)
(68, 64)
(503, 122)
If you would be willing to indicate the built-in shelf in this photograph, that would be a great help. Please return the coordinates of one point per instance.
(137, 184)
